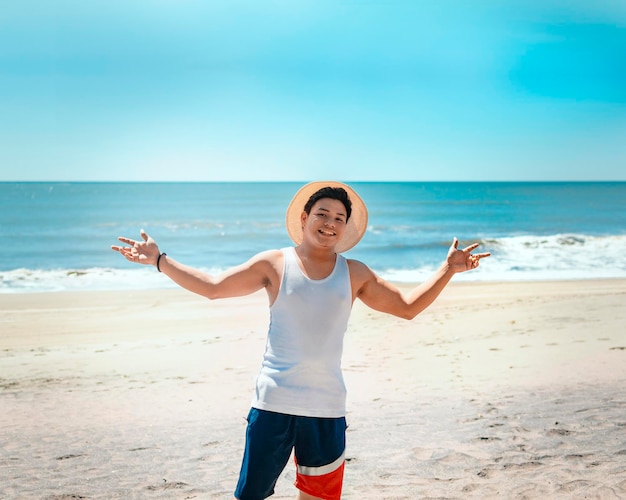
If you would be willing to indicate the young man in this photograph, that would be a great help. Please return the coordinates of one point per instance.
(299, 400)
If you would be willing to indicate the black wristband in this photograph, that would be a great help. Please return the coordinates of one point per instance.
(159, 260)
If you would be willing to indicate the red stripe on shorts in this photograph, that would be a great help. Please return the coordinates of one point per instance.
(323, 482)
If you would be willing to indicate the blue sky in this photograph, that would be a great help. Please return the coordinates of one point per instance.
(187, 90)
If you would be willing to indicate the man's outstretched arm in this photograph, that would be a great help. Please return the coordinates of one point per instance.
(253, 275)
(383, 296)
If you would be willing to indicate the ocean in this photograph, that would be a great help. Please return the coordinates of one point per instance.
(57, 236)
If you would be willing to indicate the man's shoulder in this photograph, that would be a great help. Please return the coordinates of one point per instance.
(270, 256)
(358, 269)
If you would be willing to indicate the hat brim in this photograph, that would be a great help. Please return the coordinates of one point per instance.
(355, 228)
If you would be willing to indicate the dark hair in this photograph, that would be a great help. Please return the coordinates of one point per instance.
(334, 193)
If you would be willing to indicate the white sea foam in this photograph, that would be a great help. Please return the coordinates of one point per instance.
(37, 280)
(514, 258)
(532, 257)
(557, 255)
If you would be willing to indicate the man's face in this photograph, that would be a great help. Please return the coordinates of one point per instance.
(326, 222)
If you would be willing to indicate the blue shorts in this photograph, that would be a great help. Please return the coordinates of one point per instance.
(319, 448)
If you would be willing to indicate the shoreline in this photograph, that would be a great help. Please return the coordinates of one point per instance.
(509, 389)
(145, 279)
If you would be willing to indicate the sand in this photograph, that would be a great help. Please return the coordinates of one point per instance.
(499, 390)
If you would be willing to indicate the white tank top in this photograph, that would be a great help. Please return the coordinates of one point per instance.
(301, 371)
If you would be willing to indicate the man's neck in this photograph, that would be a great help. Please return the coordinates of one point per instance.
(316, 254)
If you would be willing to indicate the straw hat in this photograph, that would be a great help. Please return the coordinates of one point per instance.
(355, 228)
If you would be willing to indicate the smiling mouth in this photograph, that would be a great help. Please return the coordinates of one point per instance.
(326, 233)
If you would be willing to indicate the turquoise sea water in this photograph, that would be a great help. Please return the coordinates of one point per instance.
(57, 236)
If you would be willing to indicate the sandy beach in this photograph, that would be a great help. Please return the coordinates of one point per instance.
(499, 390)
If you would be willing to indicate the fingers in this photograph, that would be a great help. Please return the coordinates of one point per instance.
(473, 260)
(471, 247)
(136, 250)
(128, 241)
(455, 243)
(125, 251)
(131, 242)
